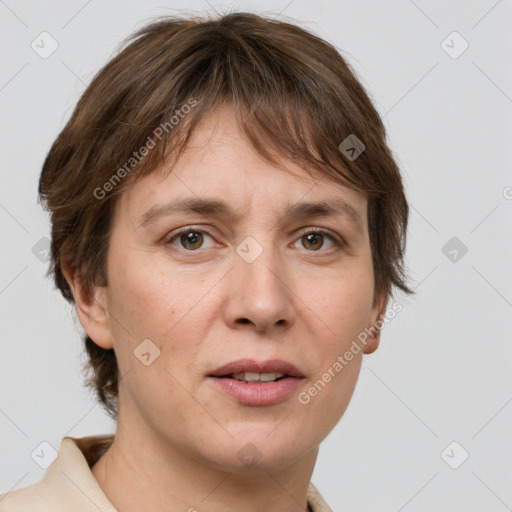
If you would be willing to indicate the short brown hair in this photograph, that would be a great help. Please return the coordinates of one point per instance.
(295, 97)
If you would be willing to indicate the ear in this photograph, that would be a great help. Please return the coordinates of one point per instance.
(377, 313)
(91, 307)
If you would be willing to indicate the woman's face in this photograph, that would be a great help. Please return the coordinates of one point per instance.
(246, 283)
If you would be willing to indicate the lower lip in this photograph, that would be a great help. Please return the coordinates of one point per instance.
(257, 394)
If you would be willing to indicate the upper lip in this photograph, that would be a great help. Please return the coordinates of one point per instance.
(252, 366)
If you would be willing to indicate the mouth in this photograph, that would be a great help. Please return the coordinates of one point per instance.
(256, 377)
(251, 370)
(257, 383)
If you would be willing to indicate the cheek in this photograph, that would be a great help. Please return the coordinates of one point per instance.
(342, 304)
(344, 308)
(149, 298)
(148, 304)
(338, 393)
(167, 307)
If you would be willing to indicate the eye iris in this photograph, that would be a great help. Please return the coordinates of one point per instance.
(314, 236)
(191, 237)
(194, 239)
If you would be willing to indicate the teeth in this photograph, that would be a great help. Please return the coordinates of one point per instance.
(257, 377)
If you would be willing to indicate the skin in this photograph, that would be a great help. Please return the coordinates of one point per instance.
(203, 306)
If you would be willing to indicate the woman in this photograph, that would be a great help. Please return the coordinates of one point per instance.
(229, 222)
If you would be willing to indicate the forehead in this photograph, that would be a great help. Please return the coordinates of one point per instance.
(219, 162)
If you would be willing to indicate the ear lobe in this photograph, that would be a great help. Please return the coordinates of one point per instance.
(376, 322)
(91, 307)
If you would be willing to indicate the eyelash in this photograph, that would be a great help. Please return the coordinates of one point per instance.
(338, 242)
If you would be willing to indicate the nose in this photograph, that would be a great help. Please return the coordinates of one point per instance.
(259, 294)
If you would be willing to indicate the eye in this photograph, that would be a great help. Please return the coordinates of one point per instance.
(190, 239)
(313, 238)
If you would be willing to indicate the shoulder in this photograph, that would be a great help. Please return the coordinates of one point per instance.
(68, 483)
(32, 498)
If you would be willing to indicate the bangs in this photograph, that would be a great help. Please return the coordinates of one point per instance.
(281, 107)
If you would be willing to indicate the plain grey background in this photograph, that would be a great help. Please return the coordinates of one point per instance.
(442, 372)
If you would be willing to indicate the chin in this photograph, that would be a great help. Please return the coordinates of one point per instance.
(258, 449)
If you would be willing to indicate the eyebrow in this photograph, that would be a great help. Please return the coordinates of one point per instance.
(219, 208)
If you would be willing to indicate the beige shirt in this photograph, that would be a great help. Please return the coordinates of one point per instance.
(68, 484)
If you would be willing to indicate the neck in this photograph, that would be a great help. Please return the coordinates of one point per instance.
(142, 472)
